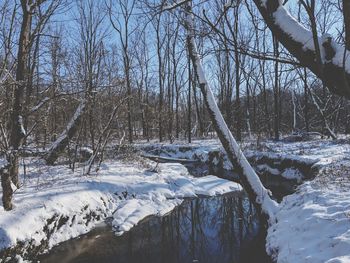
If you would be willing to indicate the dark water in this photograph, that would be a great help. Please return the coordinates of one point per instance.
(279, 186)
(218, 229)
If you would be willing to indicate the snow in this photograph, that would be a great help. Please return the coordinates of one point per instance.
(58, 203)
(211, 186)
(266, 168)
(291, 173)
(324, 152)
(159, 201)
(174, 5)
(313, 226)
(39, 105)
(292, 27)
(20, 122)
(132, 211)
(304, 36)
(340, 58)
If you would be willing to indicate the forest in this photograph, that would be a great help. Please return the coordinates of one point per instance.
(174, 131)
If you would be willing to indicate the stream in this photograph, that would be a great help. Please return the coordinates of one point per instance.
(216, 229)
(221, 229)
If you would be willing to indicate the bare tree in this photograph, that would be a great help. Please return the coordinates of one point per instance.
(122, 26)
(92, 35)
(17, 133)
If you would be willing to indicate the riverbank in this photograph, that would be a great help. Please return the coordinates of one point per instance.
(313, 224)
(55, 204)
(219, 229)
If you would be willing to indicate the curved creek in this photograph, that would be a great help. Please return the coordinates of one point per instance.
(216, 229)
(205, 229)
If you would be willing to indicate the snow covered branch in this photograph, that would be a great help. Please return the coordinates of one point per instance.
(174, 6)
(299, 41)
(248, 177)
(62, 141)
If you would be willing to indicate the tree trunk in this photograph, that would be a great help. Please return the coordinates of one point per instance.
(6, 186)
(276, 93)
(177, 117)
(189, 101)
(306, 101)
(249, 179)
(346, 15)
(16, 129)
(237, 78)
(294, 112)
(160, 82)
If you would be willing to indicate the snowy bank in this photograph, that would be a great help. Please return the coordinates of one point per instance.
(313, 224)
(56, 204)
(281, 166)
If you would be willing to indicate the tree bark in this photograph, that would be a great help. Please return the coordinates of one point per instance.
(276, 93)
(346, 15)
(237, 76)
(189, 123)
(306, 101)
(6, 187)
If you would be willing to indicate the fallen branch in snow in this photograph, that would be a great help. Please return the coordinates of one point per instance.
(163, 159)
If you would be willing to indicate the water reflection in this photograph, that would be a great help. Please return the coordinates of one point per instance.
(279, 186)
(220, 229)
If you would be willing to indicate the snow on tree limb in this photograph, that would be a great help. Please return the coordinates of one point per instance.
(248, 177)
(174, 5)
(299, 42)
(62, 141)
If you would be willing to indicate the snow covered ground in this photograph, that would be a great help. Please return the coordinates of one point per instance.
(313, 225)
(54, 204)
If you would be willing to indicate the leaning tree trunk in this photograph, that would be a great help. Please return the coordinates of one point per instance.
(249, 179)
(299, 42)
(62, 141)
